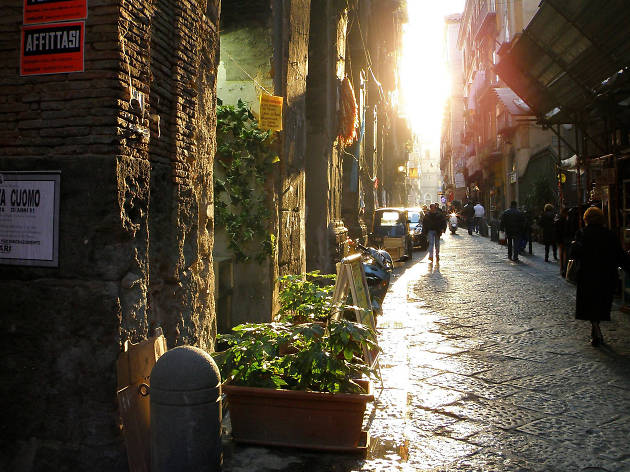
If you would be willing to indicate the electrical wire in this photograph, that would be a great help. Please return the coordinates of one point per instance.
(247, 73)
(361, 169)
(369, 58)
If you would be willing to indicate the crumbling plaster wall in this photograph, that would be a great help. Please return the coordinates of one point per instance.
(135, 223)
(245, 66)
(245, 71)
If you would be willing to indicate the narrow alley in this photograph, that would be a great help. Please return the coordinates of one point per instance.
(484, 369)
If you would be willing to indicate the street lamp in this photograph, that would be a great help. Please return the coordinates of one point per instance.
(401, 168)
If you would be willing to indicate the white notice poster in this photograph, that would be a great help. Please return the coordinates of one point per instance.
(459, 180)
(29, 218)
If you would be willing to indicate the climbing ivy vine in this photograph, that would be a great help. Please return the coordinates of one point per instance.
(244, 159)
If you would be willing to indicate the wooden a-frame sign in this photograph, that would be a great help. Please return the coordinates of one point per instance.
(351, 279)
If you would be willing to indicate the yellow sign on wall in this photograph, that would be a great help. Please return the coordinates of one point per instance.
(413, 172)
(270, 112)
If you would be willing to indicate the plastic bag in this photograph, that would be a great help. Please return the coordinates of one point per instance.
(502, 237)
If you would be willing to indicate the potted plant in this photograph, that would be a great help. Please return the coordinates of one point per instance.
(306, 298)
(296, 384)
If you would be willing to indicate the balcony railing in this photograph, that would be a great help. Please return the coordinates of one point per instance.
(486, 16)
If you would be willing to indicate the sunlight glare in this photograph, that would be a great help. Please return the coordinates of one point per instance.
(424, 79)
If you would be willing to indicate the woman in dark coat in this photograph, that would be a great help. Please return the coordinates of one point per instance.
(600, 254)
(546, 222)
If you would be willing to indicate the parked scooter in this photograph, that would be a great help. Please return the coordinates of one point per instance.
(452, 222)
(378, 266)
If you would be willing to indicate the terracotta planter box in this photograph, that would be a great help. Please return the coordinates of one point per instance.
(310, 420)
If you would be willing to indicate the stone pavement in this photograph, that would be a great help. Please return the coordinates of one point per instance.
(484, 369)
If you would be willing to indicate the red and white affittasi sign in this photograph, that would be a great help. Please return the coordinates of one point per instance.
(45, 11)
(52, 48)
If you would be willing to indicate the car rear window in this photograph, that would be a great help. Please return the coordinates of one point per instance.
(388, 223)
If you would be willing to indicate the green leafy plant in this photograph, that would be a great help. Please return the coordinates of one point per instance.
(307, 297)
(321, 354)
(245, 157)
(297, 356)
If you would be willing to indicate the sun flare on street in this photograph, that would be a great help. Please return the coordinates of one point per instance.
(424, 78)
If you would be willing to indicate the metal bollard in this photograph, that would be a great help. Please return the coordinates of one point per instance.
(185, 412)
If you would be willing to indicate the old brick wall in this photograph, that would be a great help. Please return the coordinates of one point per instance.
(135, 222)
(180, 62)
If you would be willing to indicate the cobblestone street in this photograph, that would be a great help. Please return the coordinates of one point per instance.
(485, 369)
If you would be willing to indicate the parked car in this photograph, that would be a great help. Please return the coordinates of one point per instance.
(415, 216)
(390, 231)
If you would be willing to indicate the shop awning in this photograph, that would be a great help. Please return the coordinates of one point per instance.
(566, 55)
(570, 164)
(512, 102)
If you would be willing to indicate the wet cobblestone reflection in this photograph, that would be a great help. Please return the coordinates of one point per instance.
(484, 369)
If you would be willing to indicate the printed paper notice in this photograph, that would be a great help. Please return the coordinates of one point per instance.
(29, 213)
(459, 180)
(270, 112)
(46, 11)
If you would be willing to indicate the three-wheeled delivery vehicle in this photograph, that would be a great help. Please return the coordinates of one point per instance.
(390, 231)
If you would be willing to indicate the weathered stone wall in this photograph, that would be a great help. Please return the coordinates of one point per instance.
(182, 68)
(135, 224)
(291, 46)
(356, 168)
(325, 230)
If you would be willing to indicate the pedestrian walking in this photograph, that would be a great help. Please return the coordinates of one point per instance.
(563, 238)
(468, 212)
(513, 223)
(433, 225)
(480, 212)
(599, 253)
(546, 222)
(527, 231)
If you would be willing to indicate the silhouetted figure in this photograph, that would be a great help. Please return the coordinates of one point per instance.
(480, 212)
(546, 222)
(433, 225)
(599, 252)
(513, 223)
(468, 212)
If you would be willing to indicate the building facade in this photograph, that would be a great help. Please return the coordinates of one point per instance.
(570, 66)
(125, 146)
(500, 133)
(353, 58)
(452, 146)
(128, 141)
(264, 50)
(425, 176)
